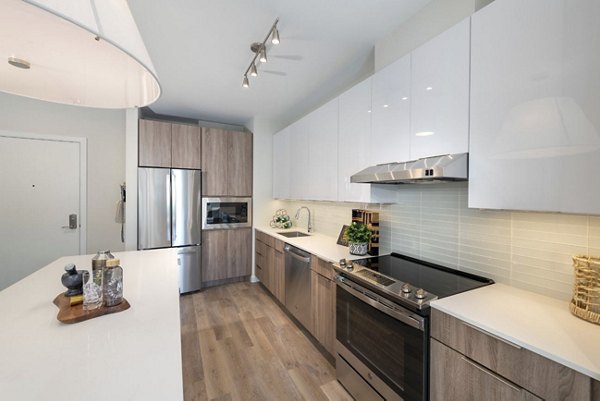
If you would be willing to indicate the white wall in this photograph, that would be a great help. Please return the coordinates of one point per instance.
(433, 19)
(262, 186)
(105, 133)
(131, 174)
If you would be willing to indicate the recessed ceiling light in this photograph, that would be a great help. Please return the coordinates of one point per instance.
(385, 106)
(428, 88)
(405, 98)
(425, 133)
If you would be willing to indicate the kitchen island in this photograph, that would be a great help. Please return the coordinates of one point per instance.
(130, 355)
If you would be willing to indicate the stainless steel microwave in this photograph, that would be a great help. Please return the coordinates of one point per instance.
(226, 213)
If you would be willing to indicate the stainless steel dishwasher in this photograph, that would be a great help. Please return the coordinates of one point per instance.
(297, 284)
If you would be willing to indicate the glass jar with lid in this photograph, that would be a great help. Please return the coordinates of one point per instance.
(113, 283)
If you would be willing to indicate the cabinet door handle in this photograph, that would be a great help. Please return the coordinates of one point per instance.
(492, 374)
(492, 335)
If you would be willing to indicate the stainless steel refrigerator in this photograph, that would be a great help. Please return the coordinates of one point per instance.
(170, 216)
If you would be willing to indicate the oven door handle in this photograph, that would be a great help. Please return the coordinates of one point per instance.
(405, 317)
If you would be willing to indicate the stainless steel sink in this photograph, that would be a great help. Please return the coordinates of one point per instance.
(293, 234)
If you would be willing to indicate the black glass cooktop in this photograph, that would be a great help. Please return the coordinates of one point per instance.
(435, 279)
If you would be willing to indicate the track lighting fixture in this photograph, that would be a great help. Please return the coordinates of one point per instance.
(260, 50)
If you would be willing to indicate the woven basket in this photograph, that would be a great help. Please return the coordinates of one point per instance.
(586, 291)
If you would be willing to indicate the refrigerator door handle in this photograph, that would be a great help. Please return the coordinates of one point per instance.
(168, 209)
(174, 206)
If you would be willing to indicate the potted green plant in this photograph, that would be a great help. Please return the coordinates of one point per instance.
(358, 236)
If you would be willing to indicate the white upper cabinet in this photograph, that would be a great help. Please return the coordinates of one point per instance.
(353, 141)
(390, 134)
(535, 106)
(440, 94)
(323, 152)
(281, 164)
(299, 181)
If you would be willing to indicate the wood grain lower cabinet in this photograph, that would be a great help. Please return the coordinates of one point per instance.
(323, 304)
(270, 264)
(525, 369)
(279, 275)
(270, 270)
(259, 258)
(239, 252)
(226, 254)
(455, 377)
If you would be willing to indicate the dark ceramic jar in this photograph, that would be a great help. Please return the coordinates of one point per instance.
(73, 280)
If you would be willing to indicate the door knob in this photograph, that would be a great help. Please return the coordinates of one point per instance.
(72, 222)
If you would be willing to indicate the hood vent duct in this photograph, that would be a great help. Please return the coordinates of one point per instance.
(423, 171)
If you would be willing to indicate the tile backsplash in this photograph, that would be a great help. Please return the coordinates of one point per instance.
(432, 222)
(329, 217)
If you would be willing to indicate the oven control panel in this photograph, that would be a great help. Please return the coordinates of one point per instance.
(401, 292)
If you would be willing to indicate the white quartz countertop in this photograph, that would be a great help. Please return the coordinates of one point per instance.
(130, 355)
(323, 246)
(535, 322)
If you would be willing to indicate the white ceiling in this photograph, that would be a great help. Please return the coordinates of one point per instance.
(201, 48)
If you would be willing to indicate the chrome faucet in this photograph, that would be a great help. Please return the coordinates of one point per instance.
(309, 223)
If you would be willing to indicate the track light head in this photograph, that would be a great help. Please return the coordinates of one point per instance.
(275, 37)
(245, 82)
(253, 71)
(263, 55)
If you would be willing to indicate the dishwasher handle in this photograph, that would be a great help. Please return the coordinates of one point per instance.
(297, 254)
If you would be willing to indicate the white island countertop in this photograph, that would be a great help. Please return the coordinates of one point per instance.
(323, 246)
(535, 322)
(130, 355)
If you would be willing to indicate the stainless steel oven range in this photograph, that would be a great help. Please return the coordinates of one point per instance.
(382, 324)
(226, 213)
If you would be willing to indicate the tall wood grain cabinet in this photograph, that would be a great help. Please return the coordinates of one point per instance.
(165, 144)
(226, 162)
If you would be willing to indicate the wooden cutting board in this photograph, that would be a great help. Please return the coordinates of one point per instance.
(75, 314)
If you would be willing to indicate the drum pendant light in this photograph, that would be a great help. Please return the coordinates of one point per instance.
(84, 52)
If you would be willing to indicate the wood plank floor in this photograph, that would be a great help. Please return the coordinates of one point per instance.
(237, 344)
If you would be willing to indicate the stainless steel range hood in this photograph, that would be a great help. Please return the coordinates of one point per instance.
(423, 171)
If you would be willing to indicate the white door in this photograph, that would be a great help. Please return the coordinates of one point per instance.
(40, 188)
